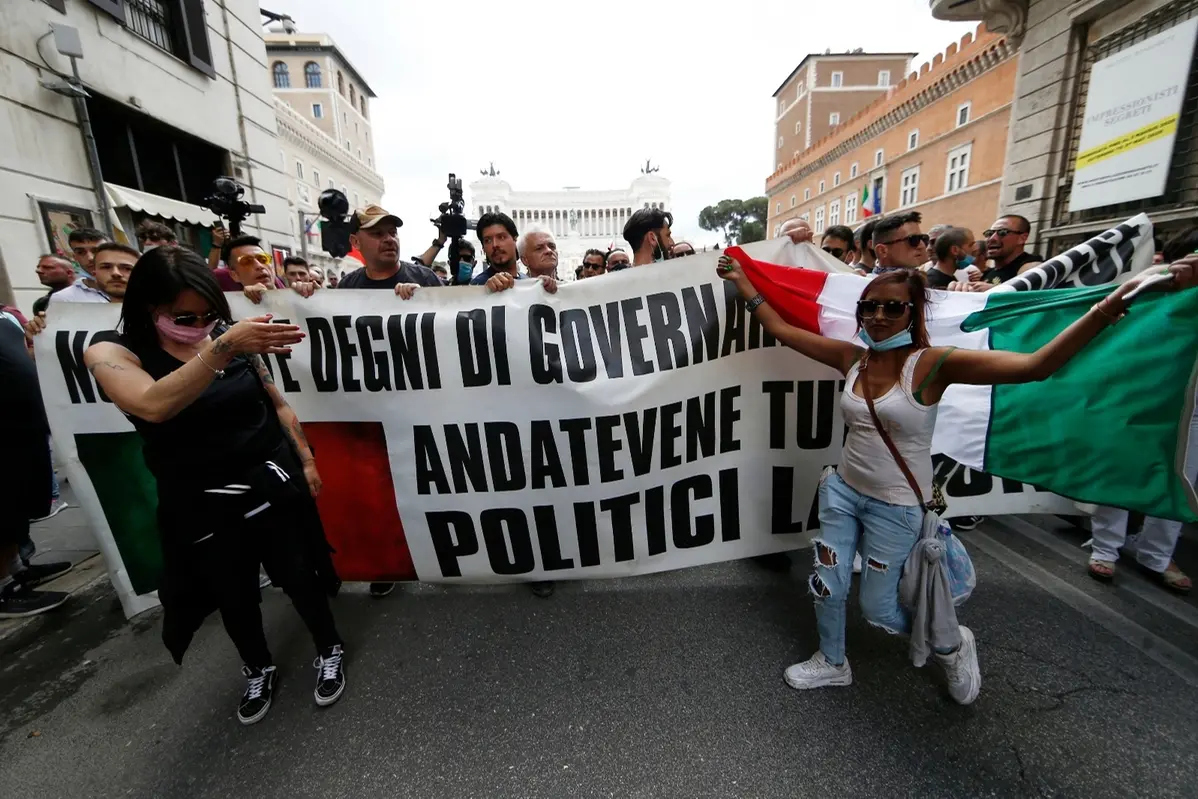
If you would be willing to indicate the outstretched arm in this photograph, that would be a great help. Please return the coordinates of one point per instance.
(839, 355)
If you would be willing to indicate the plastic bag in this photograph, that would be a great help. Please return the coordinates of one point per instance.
(957, 564)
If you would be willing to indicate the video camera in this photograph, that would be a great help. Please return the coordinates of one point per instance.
(334, 226)
(453, 224)
(224, 200)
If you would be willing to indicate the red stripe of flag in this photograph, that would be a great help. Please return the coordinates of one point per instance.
(792, 292)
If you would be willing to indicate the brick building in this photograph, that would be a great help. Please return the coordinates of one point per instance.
(935, 142)
(824, 90)
(1059, 42)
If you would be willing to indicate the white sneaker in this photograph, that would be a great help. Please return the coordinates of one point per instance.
(818, 673)
(961, 670)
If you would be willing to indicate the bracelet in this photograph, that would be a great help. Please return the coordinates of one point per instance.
(1111, 320)
(753, 304)
(215, 371)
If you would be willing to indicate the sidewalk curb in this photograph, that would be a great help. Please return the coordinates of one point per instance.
(86, 574)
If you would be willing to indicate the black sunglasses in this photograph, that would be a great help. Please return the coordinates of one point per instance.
(190, 319)
(891, 309)
(913, 240)
(835, 252)
(1001, 232)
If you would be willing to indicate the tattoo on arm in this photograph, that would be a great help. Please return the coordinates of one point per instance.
(105, 364)
(220, 346)
(258, 363)
(296, 434)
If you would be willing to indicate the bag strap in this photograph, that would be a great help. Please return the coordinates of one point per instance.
(898, 458)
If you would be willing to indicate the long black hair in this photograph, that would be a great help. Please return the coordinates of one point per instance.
(157, 279)
(917, 289)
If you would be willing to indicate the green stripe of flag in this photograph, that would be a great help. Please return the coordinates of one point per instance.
(1110, 427)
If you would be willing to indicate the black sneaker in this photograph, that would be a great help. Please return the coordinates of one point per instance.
(17, 601)
(259, 690)
(330, 676)
(967, 523)
(381, 589)
(543, 589)
(38, 573)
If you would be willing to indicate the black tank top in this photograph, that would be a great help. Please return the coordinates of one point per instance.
(225, 431)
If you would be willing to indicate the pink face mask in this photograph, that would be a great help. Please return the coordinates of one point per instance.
(182, 334)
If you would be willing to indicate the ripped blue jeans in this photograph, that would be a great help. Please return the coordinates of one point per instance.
(885, 534)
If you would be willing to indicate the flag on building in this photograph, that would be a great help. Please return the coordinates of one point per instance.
(866, 210)
(1109, 428)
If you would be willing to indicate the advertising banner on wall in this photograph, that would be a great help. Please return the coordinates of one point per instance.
(1132, 112)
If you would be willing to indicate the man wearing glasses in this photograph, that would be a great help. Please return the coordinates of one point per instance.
(1004, 247)
(898, 243)
(253, 270)
(838, 242)
(151, 234)
(682, 249)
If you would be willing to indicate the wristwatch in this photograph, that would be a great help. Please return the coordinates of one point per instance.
(752, 304)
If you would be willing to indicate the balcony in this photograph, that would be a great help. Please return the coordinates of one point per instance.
(1005, 17)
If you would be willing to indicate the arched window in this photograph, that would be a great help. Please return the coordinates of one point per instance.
(312, 75)
(353, 95)
(363, 99)
(340, 83)
(282, 75)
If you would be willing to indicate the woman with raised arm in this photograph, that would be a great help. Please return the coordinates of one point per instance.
(868, 504)
(234, 473)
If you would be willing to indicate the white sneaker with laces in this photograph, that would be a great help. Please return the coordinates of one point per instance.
(961, 670)
(818, 673)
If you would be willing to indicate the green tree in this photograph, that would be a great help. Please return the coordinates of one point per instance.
(739, 221)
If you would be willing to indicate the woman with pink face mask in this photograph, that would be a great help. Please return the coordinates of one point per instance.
(235, 476)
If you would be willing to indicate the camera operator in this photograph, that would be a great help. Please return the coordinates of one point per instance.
(375, 234)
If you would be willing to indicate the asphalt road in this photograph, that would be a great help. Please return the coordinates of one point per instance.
(666, 686)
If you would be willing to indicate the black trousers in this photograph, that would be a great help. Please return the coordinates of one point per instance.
(228, 560)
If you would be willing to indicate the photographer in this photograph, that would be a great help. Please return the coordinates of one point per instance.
(375, 234)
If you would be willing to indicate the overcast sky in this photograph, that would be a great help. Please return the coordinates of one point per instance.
(556, 96)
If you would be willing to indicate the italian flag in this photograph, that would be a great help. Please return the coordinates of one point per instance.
(866, 211)
(1110, 428)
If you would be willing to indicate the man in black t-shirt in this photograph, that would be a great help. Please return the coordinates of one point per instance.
(1005, 241)
(952, 255)
(375, 233)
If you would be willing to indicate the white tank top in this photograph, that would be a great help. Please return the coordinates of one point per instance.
(865, 462)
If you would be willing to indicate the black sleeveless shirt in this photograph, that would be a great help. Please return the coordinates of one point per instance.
(227, 430)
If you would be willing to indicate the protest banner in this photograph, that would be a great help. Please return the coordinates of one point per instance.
(631, 423)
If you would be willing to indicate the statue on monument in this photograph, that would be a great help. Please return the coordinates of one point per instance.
(574, 220)
(493, 173)
(648, 169)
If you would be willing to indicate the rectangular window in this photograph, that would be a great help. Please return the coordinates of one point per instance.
(963, 112)
(910, 187)
(793, 201)
(957, 171)
(317, 111)
(878, 157)
(883, 77)
(821, 187)
(853, 170)
(837, 80)
(316, 178)
(779, 142)
(834, 118)
(177, 27)
(778, 208)
(355, 205)
(806, 195)
(798, 127)
(834, 213)
(850, 209)
(819, 219)
(912, 140)
(835, 178)
(299, 169)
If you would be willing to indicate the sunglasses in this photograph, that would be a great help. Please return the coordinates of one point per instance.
(913, 240)
(891, 309)
(190, 319)
(1002, 233)
(835, 252)
(261, 257)
(617, 266)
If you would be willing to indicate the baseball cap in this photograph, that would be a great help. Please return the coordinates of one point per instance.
(370, 216)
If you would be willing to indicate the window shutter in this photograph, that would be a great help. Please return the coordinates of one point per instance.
(114, 7)
(196, 49)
